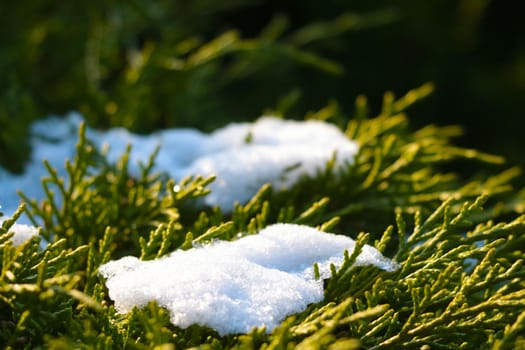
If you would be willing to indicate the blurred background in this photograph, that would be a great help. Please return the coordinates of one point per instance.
(151, 64)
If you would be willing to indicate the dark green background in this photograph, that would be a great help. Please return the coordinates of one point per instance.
(290, 56)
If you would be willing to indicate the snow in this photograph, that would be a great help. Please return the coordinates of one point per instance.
(242, 156)
(53, 139)
(232, 287)
(21, 233)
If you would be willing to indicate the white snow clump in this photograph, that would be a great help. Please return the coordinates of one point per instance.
(245, 156)
(242, 156)
(232, 287)
(21, 233)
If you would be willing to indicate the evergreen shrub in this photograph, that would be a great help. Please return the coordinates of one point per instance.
(145, 65)
(459, 242)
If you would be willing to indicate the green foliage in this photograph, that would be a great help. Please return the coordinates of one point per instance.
(457, 235)
(395, 168)
(149, 65)
(45, 279)
(458, 242)
(153, 64)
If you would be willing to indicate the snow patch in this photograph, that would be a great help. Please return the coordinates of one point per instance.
(232, 287)
(242, 156)
(21, 233)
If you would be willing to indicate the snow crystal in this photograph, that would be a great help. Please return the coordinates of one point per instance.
(21, 233)
(242, 156)
(232, 287)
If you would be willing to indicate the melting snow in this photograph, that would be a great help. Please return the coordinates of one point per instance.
(234, 286)
(242, 156)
